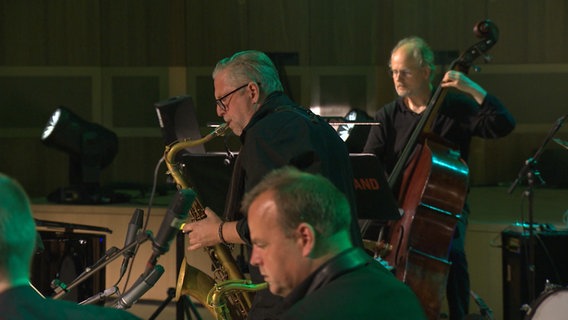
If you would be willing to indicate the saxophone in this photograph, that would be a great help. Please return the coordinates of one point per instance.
(226, 295)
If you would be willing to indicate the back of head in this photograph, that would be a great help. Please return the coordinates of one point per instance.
(251, 65)
(304, 197)
(17, 231)
(420, 51)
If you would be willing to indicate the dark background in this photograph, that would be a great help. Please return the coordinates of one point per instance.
(111, 60)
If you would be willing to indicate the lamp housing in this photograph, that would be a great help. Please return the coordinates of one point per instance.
(90, 146)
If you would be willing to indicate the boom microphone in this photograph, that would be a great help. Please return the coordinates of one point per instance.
(139, 288)
(176, 215)
(134, 227)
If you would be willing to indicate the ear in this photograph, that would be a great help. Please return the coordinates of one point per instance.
(306, 238)
(427, 72)
(254, 90)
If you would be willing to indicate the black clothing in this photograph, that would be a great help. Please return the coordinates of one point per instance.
(459, 119)
(282, 133)
(23, 303)
(351, 286)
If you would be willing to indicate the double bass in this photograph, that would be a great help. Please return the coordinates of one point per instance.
(432, 180)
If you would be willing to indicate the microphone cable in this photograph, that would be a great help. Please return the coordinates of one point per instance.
(146, 220)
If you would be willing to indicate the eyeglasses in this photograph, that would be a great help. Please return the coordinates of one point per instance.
(220, 103)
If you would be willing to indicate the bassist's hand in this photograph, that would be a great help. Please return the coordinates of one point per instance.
(460, 81)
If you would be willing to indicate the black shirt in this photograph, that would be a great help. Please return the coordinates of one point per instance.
(459, 119)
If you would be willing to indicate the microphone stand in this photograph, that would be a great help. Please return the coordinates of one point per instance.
(62, 289)
(529, 170)
(101, 296)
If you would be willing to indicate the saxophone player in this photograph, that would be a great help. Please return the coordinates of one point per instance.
(274, 132)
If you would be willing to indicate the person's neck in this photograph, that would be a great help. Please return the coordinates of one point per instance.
(418, 102)
(333, 246)
(6, 283)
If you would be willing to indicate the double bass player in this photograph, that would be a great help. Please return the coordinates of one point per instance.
(466, 112)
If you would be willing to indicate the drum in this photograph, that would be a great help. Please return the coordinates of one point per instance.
(551, 304)
(66, 255)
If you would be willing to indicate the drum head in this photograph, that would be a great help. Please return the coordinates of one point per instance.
(550, 305)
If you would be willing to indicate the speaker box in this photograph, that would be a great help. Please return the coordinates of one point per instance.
(65, 256)
(550, 264)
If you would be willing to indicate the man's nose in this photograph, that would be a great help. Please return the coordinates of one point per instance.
(254, 258)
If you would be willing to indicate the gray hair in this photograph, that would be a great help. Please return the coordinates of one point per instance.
(251, 65)
(420, 51)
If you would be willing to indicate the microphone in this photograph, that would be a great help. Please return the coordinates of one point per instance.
(175, 217)
(140, 287)
(100, 296)
(134, 227)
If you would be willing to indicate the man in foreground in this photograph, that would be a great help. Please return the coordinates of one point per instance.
(299, 227)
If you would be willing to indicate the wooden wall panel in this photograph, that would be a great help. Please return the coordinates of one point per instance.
(49, 33)
(531, 31)
(216, 29)
(38, 168)
(139, 33)
(528, 101)
(343, 33)
(121, 42)
(28, 101)
(445, 25)
(498, 161)
(133, 99)
(270, 30)
(135, 163)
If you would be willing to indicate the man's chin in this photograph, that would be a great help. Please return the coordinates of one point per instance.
(278, 292)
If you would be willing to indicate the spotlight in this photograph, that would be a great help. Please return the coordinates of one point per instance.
(91, 147)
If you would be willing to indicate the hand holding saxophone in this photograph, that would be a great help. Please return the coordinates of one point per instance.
(203, 233)
(208, 231)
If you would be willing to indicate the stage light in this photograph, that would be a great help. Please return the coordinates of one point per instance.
(90, 147)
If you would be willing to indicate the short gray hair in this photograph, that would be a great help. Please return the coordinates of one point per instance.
(420, 51)
(251, 65)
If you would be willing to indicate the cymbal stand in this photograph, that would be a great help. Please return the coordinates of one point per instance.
(530, 172)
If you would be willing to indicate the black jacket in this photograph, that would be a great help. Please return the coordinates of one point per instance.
(351, 286)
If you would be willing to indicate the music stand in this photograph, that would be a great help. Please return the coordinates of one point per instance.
(209, 174)
(375, 199)
(178, 121)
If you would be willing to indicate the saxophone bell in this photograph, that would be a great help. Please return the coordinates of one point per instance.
(221, 293)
